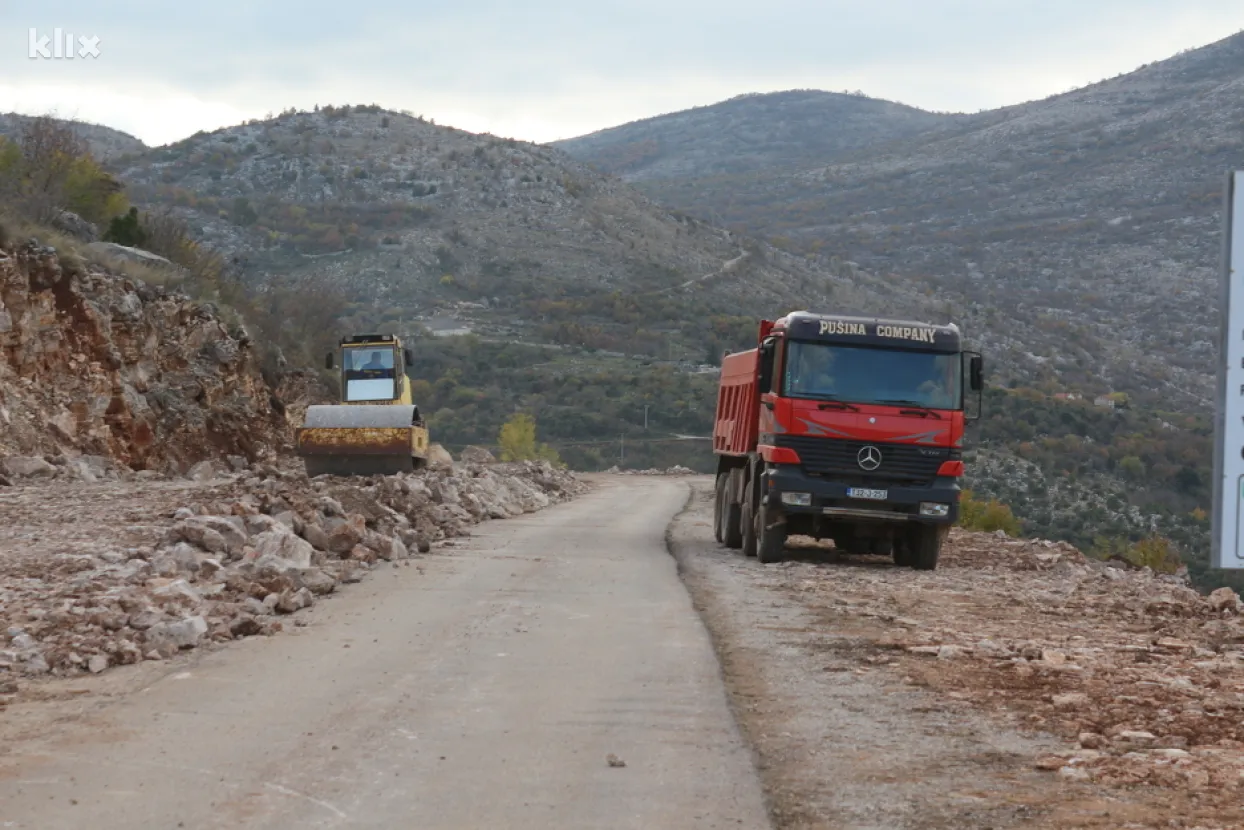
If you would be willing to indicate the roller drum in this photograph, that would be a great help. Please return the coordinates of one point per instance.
(359, 440)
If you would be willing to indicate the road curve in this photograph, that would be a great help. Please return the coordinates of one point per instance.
(484, 687)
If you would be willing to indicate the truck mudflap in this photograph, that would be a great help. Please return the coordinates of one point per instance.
(788, 489)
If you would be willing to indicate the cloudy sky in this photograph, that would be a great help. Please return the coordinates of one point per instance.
(547, 69)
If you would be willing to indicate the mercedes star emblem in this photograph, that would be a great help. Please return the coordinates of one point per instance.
(869, 458)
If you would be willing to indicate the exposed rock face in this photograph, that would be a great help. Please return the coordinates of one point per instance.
(92, 363)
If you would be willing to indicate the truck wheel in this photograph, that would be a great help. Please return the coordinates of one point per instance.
(718, 513)
(732, 514)
(770, 541)
(926, 546)
(748, 522)
(902, 553)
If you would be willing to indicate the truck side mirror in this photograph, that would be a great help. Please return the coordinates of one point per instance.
(766, 367)
(410, 358)
(977, 373)
(328, 361)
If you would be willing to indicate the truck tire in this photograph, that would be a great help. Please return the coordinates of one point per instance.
(770, 540)
(748, 521)
(733, 529)
(719, 513)
(925, 546)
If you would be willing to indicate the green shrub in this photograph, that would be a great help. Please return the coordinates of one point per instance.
(126, 230)
(988, 516)
(1154, 551)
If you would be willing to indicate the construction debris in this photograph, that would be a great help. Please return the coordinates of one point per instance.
(676, 470)
(99, 574)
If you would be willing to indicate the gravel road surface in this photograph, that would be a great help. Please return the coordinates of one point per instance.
(845, 743)
(550, 672)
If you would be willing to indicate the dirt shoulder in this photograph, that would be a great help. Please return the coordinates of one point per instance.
(1016, 686)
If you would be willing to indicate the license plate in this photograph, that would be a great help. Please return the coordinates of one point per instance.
(863, 493)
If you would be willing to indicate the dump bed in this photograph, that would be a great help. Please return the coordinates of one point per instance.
(738, 405)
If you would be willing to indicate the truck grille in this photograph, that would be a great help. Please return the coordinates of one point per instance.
(900, 463)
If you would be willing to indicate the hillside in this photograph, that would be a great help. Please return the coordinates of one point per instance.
(408, 221)
(1079, 236)
(105, 142)
(577, 290)
(755, 132)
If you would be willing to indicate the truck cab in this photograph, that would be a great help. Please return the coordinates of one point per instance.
(846, 428)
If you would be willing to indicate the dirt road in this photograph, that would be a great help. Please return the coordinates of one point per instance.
(549, 672)
(552, 671)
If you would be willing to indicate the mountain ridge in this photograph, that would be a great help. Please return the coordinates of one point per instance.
(652, 147)
(105, 143)
(1054, 226)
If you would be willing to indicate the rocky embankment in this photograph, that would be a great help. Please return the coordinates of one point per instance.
(94, 364)
(95, 574)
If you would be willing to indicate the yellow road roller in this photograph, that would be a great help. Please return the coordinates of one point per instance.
(376, 429)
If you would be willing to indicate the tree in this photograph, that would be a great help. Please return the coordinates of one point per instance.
(518, 441)
(1132, 467)
(49, 169)
(243, 214)
(126, 230)
(90, 192)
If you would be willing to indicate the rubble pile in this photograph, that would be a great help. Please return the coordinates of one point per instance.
(94, 575)
(1141, 675)
(62, 467)
(102, 365)
(676, 470)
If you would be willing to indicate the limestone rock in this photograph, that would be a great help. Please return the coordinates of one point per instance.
(183, 634)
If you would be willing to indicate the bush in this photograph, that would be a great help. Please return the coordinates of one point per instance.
(1154, 551)
(518, 442)
(987, 516)
(126, 230)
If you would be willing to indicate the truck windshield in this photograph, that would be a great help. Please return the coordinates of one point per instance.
(369, 374)
(872, 375)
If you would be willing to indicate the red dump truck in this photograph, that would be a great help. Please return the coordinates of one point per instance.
(844, 428)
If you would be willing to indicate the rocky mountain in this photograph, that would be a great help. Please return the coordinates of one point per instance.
(105, 143)
(748, 133)
(1078, 236)
(93, 364)
(414, 221)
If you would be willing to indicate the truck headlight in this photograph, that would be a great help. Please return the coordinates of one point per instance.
(797, 499)
(928, 508)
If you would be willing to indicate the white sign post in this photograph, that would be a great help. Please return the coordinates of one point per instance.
(1228, 542)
